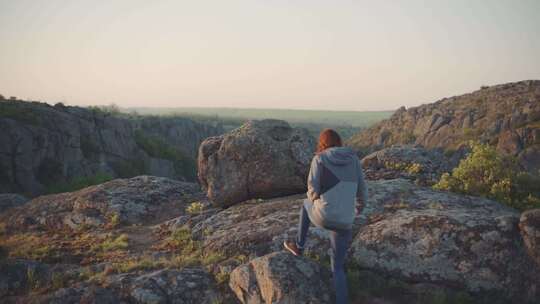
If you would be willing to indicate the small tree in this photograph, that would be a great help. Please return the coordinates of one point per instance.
(489, 174)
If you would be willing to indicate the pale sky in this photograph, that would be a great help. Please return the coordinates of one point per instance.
(342, 55)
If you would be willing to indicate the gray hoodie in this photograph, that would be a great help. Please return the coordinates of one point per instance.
(335, 185)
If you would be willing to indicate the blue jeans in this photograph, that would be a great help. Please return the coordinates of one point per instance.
(339, 241)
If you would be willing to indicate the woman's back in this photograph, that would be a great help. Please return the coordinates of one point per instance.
(334, 183)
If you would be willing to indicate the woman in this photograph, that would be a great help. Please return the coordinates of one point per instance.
(335, 184)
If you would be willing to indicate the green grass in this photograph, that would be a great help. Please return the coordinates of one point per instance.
(110, 244)
(347, 123)
(343, 118)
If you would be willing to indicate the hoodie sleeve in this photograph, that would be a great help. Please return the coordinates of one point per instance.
(361, 191)
(314, 180)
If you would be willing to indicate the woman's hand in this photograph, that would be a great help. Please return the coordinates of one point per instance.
(358, 208)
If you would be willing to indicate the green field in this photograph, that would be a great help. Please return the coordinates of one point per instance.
(345, 122)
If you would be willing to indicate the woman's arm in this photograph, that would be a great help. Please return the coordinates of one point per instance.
(361, 190)
(314, 180)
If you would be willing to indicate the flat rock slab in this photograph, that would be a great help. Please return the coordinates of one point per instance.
(258, 227)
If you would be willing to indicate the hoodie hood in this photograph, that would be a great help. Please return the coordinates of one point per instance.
(338, 156)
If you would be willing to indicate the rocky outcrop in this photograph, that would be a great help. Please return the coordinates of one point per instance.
(529, 224)
(281, 277)
(507, 116)
(261, 159)
(19, 276)
(189, 285)
(416, 163)
(409, 233)
(427, 236)
(10, 200)
(42, 146)
(258, 227)
(119, 202)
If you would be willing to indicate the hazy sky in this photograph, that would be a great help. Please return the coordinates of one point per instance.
(343, 55)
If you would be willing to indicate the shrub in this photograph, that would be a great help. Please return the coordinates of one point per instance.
(190, 251)
(414, 168)
(111, 244)
(115, 220)
(129, 168)
(489, 174)
(411, 168)
(79, 183)
(156, 147)
(16, 112)
(111, 109)
(32, 278)
(195, 208)
(58, 280)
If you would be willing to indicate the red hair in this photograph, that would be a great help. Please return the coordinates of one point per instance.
(328, 139)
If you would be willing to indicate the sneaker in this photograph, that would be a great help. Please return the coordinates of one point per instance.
(292, 247)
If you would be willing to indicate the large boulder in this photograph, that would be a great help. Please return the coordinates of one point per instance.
(529, 225)
(123, 201)
(281, 277)
(261, 159)
(426, 236)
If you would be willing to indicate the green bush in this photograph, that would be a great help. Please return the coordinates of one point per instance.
(155, 147)
(489, 174)
(195, 208)
(79, 183)
(111, 109)
(129, 168)
(16, 112)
